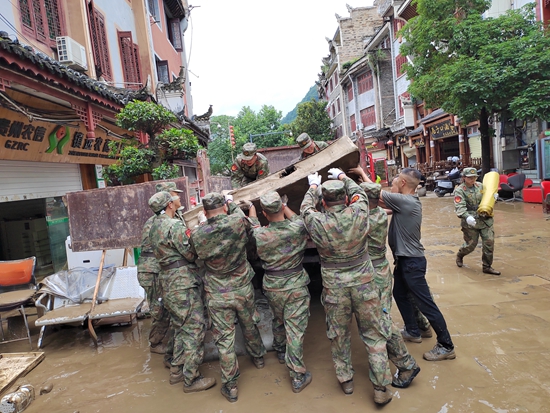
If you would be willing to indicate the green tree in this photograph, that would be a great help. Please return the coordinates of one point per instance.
(476, 67)
(313, 119)
(219, 147)
(165, 144)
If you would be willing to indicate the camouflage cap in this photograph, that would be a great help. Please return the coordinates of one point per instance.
(159, 201)
(333, 190)
(304, 141)
(167, 187)
(271, 202)
(249, 150)
(213, 200)
(371, 189)
(469, 172)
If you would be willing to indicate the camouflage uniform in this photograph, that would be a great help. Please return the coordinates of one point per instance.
(466, 203)
(242, 174)
(340, 235)
(305, 141)
(383, 277)
(221, 243)
(179, 280)
(281, 247)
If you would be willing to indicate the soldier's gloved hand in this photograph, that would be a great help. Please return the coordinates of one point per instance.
(496, 196)
(334, 173)
(314, 179)
(471, 221)
(201, 217)
(228, 198)
(284, 199)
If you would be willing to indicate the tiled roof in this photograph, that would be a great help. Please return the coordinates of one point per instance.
(434, 115)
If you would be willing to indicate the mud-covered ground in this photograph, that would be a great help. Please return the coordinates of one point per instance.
(500, 326)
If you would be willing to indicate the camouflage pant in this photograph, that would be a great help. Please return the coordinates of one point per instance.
(290, 316)
(223, 308)
(160, 317)
(188, 324)
(397, 350)
(471, 237)
(373, 324)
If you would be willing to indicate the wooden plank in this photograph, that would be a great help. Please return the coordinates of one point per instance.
(65, 315)
(116, 308)
(15, 365)
(112, 217)
(343, 154)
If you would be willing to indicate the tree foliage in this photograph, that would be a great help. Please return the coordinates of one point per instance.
(156, 156)
(313, 119)
(475, 67)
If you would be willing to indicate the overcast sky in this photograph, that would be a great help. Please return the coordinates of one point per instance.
(254, 53)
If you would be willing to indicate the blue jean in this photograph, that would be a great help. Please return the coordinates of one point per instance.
(410, 275)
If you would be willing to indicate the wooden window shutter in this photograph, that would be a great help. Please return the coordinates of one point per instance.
(99, 43)
(175, 33)
(54, 17)
(129, 54)
(42, 19)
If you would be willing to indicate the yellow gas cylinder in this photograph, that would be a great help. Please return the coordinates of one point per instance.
(490, 188)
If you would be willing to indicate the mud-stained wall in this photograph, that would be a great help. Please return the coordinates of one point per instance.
(112, 218)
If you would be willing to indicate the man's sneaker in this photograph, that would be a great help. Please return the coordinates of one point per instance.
(426, 333)
(158, 349)
(404, 378)
(490, 270)
(258, 362)
(199, 384)
(230, 393)
(408, 337)
(382, 395)
(439, 353)
(167, 364)
(176, 375)
(347, 386)
(301, 383)
(459, 261)
(281, 357)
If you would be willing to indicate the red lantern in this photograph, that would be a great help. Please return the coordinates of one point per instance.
(390, 142)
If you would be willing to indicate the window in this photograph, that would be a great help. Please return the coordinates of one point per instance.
(330, 87)
(352, 122)
(350, 93)
(368, 116)
(399, 62)
(364, 82)
(162, 71)
(338, 105)
(333, 110)
(129, 54)
(100, 47)
(174, 34)
(397, 25)
(154, 9)
(335, 78)
(42, 19)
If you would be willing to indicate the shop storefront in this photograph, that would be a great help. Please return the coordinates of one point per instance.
(445, 136)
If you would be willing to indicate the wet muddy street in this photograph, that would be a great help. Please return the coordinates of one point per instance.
(500, 326)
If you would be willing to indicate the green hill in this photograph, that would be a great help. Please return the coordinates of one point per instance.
(290, 116)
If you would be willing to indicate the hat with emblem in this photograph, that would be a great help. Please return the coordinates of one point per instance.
(249, 150)
(333, 190)
(167, 186)
(469, 172)
(213, 200)
(304, 141)
(271, 202)
(371, 189)
(159, 201)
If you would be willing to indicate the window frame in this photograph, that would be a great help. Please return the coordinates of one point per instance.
(39, 8)
(163, 63)
(368, 116)
(365, 82)
(98, 34)
(132, 73)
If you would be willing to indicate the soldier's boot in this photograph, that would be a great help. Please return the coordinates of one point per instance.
(230, 393)
(490, 270)
(167, 364)
(347, 386)
(404, 378)
(301, 382)
(176, 374)
(459, 261)
(199, 384)
(159, 348)
(281, 357)
(258, 362)
(382, 395)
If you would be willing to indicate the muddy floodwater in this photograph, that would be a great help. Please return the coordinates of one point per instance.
(500, 326)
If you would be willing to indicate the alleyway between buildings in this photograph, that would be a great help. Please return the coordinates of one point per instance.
(500, 326)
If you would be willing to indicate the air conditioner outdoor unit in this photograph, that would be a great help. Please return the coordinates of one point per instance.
(71, 53)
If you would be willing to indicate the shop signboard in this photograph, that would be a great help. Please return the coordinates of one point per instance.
(39, 141)
(442, 130)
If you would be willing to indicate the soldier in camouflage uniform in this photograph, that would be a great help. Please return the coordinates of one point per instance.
(281, 247)
(467, 198)
(221, 243)
(179, 279)
(340, 235)
(383, 277)
(248, 167)
(309, 146)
